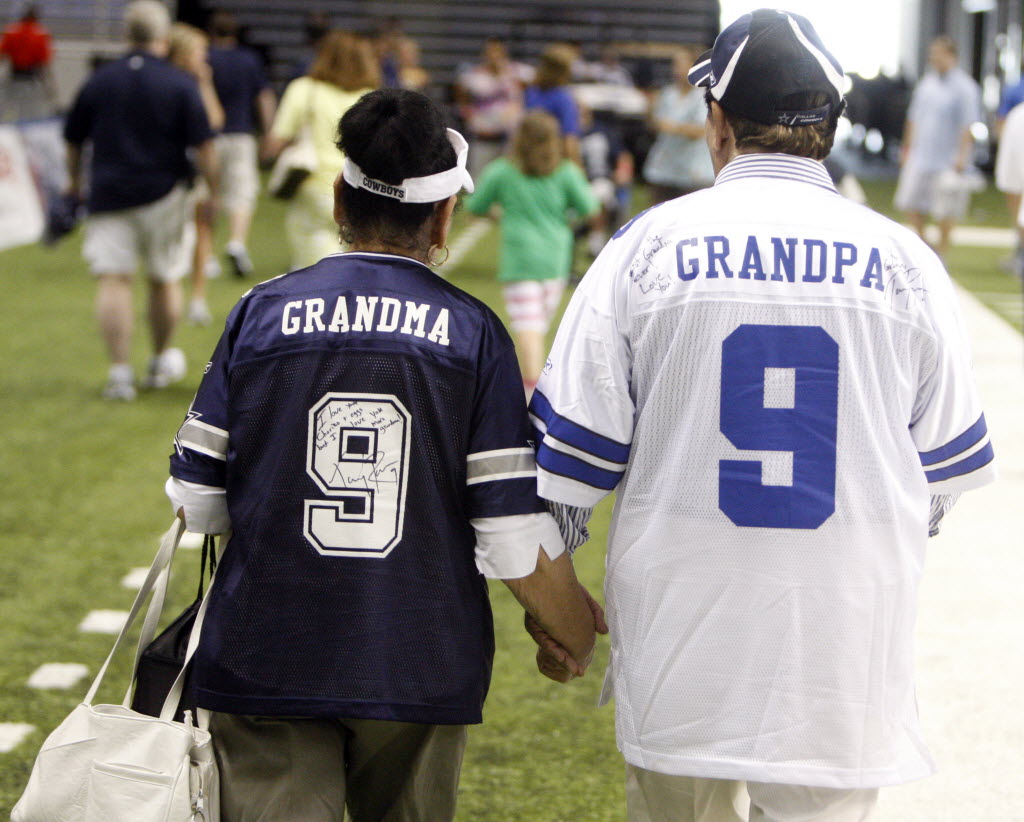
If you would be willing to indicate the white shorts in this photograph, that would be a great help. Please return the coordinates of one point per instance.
(239, 178)
(658, 797)
(531, 304)
(115, 240)
(929, 192)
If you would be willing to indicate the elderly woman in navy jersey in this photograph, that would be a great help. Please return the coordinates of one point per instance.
(361, 431)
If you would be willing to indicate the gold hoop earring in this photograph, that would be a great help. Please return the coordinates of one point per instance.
(437, 263)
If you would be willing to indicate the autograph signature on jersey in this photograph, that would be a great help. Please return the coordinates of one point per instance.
(380, 474)
(903, 284)
(642, 271)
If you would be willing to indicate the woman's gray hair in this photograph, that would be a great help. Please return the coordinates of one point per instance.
(146, 21)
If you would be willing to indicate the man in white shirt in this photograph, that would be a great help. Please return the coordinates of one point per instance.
(937, 144)
(776, 383)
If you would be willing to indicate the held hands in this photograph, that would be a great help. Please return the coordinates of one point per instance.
(554, 661)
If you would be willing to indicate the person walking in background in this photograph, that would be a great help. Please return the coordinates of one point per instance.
(489, 95)
(315, 26)
(411, 75)
(776, 383)
(537, 190)
(141, 117)
(937, 144)
(31, 91)
(344, 70)
(609, 167)
(188, 51)
(379, 471)
(678, 162)
(249, 102)
(550, 92)
(1010, 180)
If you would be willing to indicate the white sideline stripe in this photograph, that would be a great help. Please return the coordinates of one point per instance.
(12, 734)
(464, 243)
(977, 236)
(190, 541)
(61, 675)
(134, 578)
(103, 622)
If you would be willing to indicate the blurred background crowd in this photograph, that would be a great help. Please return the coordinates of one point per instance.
(611, 81)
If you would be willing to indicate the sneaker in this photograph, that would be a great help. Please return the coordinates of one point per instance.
(120, 385)
(165, 369)
(239, 259)
(212, 269)
(199, 312)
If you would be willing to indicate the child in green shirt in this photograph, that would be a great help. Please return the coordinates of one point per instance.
(537, 189)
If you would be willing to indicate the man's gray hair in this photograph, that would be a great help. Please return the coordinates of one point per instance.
(146, 21)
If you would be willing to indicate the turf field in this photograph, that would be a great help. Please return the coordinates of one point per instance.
(83, 504)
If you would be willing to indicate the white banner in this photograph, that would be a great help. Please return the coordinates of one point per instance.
(21, 212)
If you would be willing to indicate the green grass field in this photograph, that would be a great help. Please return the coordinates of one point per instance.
(83, 503)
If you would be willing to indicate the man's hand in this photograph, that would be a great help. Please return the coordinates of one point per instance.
(554, 661)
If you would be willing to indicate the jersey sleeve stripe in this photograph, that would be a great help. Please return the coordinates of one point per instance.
(557, 445)
(979, 459)
(507, 464)
(563, 465)
(971, 436)
(576, 435)
(508, 475)
(206, 439)
(503, 464)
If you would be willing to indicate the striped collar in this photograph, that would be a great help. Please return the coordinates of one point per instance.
(778, 167)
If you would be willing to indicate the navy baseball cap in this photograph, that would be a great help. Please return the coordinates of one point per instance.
(764, 61)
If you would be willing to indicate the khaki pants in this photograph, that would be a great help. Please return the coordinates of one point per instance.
(285, 770)
(658, 797)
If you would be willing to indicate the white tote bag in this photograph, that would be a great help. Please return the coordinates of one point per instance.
(108, 763)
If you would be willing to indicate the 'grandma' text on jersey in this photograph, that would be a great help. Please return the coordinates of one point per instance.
(774, 380)
(359, 414)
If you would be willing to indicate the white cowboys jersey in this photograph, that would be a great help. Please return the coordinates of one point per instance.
(774, 380)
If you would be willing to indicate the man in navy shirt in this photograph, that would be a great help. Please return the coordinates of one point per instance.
(142, 116)
(245, 94)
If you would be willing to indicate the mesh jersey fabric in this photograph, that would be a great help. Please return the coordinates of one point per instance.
(359, 413)
(773, 379)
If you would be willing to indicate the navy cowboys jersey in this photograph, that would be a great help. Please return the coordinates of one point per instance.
(359, 414)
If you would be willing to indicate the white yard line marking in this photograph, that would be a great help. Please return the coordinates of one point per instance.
(977, 236)
(103, 622)
(12, 734)
(190, 541)
(60, 675)
(464, 243)
(134, 578)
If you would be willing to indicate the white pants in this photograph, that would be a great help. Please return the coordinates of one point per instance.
(309, 224)
(658, 797)
(239, 178)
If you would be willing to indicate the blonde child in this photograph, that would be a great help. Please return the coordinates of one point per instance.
(538, 190)
(188, 50)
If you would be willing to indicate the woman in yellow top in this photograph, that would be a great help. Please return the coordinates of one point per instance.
(343, 71)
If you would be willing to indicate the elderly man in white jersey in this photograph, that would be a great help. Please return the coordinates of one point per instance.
(776, 383)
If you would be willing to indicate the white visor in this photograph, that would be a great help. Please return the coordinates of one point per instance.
(429, 189)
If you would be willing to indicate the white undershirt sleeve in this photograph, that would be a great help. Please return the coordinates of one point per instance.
(506, 547)
(206, 507)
